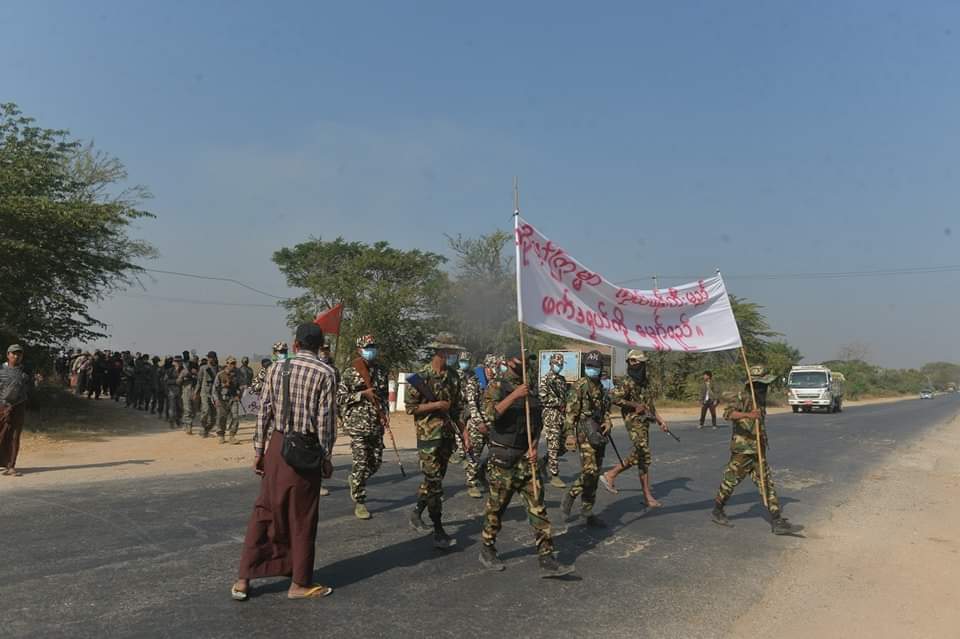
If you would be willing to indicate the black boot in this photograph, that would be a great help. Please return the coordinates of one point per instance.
(567, 504)
(550, 567)
(416, 518)
(441, 540)
(780, 526)
(719, 517)
(490, 559)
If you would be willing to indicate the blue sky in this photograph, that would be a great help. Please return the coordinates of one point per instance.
(650, 138)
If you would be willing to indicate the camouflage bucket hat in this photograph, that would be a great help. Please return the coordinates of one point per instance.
(365, 341)
(636, 355)
(280, 347)
(492, 361)
(444, 342)
(760, 375)
(556, 358)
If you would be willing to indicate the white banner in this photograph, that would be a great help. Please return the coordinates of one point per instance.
(558, 294)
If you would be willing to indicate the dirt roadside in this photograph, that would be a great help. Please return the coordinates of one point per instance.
(114, 442)
(884, 562)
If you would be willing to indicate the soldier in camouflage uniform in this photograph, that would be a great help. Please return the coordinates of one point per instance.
(279, 354)
(463, 374)
(632, 394)
(473, 415)
(226, 396)
(206, 375)
(174, 394)
(143, 373)
(589, 414)
(744, 451)
(187, 379)
(435, 439)
(553, 397)
(357, 404)
(509, 468)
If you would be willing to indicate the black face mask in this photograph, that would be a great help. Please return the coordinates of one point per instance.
(637, 372)
(760, 390)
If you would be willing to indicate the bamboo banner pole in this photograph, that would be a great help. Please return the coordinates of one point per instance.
(753, 395)
(523, 347)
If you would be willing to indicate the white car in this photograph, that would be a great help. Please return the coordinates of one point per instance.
(926, 394)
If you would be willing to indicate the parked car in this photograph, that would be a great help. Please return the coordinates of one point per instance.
(926, 394)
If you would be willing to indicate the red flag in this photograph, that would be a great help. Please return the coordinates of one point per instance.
(329, 320)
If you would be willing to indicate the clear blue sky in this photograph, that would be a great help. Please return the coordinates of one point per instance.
(668, 138)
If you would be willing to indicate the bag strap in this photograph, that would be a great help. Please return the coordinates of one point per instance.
(285, 395)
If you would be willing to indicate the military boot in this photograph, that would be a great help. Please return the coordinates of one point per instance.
(233, 439)
(490, 559)
(780, 526)
(361, 511)
(595, 522)
(223, 440)
(719, 517)
(474, 492)
(441, 540)
(567, 504)
(550, 567)
(556, 482)
(416, 520)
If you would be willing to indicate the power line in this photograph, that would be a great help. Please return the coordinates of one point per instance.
(922, 270)
(181, 300)
(216, 279)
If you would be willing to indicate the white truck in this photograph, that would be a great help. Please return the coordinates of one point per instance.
(810, 387)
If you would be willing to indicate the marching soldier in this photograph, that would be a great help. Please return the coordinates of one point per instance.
(141, 385)
(633, 396)
(744, 451)
(174, 393)
(473, 415)
(589, 414)
(226, 396)
(553, 397)
(279, 354)
(245, 374)
(206, 375)
(187, 379)
(359, 405)
(509, 469)
(435, 416)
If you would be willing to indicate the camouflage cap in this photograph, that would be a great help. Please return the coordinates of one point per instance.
(444, 342)
(365, 341)
(593, 358)
(556, 358)
(760, 375)
(464, 356)
(280, 347)
(231, 360)
(636, 355)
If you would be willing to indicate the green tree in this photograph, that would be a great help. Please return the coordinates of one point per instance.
(65, 232)
(391, 293)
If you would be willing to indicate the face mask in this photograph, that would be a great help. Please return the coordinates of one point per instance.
(368, 354)
(451, 360)
(504, 368)
(556, 368)
(637, 371)
(591, 372)
(464, 365)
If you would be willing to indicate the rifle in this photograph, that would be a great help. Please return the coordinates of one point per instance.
(360, 365)
(421, 387)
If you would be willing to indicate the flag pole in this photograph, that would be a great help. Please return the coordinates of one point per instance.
(523, 348)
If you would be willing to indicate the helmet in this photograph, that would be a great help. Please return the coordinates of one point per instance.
(365, 341)
(280, 347)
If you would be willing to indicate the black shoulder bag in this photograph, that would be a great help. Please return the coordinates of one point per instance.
(301, 451)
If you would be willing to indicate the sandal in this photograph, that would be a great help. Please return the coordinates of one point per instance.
(314, 592)
(239, 595)
(610, 488)
(12, 472)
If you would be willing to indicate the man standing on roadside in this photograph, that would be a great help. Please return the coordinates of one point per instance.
(205, 378)
(15, 385)
(708, 400)
(282, 532)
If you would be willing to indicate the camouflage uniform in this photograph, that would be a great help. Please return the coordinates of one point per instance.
(587, 401)
(508, 470)
(362, 424)
(638, 426)
(205, 378)
(174, 394)
(435, 442)
(226, 392)
(474, 416)
(744, 458)
(143, 374)
(553, 397)
(187, 379)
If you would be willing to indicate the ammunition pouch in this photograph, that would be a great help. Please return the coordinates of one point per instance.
(505, 457)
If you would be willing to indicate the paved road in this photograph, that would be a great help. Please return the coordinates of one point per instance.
(154, 558)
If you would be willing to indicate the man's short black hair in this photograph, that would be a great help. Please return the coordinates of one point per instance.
(310, 336)
(708, 373)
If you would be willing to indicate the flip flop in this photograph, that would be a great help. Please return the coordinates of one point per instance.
(315, 592)
(238, 595)
(12, 472)
(610, 488)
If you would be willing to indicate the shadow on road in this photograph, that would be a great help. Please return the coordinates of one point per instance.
(45, 469)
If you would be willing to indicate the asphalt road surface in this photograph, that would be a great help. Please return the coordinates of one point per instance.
(156, 557)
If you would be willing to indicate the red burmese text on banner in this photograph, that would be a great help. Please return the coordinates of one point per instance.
(329, 321)
(558, 294)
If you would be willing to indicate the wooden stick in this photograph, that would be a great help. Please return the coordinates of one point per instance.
(526, 406)
(753, 395)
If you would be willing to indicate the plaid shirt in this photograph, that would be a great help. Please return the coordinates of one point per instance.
(312, 399)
